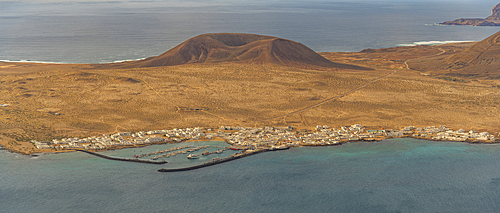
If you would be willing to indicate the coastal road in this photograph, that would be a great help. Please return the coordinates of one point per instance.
(439, 48)
(323, 102)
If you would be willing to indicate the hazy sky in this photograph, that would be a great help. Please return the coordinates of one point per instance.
(186, 2)
(137, 4)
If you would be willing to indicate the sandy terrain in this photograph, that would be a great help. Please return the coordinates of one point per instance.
(55, 101)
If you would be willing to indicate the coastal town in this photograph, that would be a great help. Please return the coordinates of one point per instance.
(267, 138)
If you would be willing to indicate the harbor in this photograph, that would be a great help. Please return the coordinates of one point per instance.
(244, 138)
(181, 150)
(214, 162)
(240, 142)
(121, 159)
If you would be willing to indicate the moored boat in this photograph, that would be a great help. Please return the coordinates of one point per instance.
(281, 147)
(193, 156)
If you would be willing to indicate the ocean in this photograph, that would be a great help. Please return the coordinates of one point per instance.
(396, 175)
(109, 31)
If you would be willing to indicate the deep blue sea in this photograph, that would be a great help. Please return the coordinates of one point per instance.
(97, 31)
(397, 175)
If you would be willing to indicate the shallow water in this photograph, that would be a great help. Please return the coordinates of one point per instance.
(398, 175)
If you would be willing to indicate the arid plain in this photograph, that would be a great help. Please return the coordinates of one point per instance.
(47, 101)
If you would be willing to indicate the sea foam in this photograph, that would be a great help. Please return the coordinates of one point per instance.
(430, 43)
(30, 61)
(52, 62)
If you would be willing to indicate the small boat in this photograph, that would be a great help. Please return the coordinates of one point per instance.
(205, 153)
(193, 156)
(282, 147)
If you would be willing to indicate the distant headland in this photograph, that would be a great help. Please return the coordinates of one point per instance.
(493, 20)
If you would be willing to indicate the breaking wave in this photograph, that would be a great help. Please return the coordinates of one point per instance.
(51, 62)
(30, 61)
(430, 43)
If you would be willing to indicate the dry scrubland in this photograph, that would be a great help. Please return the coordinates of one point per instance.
(92, 101)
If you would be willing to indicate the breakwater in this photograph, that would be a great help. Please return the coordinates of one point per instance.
(210, 163)
(121, 159)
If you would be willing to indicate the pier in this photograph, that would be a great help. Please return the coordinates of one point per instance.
(185, 151)
(207, 164)
(121, 159)
(160, 152)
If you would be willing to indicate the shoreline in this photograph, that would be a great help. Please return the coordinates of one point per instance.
(69, 63)
(59, 151)
(231, 158)
(213, 163)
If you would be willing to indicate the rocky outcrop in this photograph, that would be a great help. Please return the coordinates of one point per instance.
(493, 20)
(495, 13)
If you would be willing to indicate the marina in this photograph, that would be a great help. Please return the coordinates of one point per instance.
(121, 159)
(360, 171)
(269, 138)
(181, 150)
(246, 141)
(191, 156)
(159, 152)
(211, 163)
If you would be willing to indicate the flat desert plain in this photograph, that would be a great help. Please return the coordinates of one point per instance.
(48, 101)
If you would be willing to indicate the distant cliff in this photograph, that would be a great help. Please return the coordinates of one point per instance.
(493, 20)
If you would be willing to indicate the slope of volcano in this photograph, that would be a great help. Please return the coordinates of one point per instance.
(481, 60)
(242, 48)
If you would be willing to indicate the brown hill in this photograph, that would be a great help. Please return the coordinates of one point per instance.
(481, 60)
(243, 48)
(493, 20)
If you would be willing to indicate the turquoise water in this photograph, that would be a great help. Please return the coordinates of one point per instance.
(398, 175)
